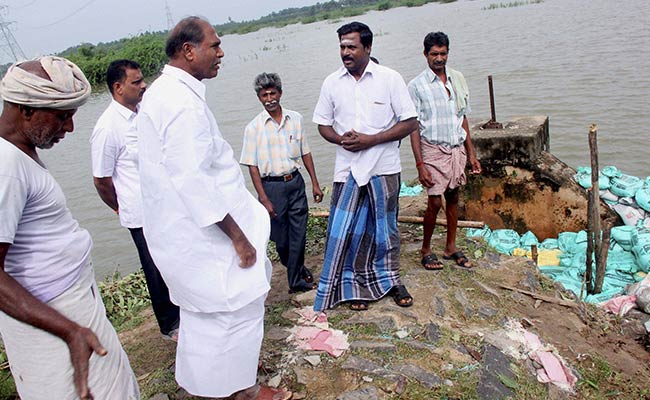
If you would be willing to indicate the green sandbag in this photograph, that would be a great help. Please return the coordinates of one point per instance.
(623, 236)
(610, 171)
(583, 177)
(641, 248)
(625, 185)
(642, 195)
(485, 232)
(622, 261)
(549, 244)
(504, 240)
(528, 239)
(567, 242)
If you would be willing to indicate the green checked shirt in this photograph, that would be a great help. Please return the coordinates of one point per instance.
(441, 122)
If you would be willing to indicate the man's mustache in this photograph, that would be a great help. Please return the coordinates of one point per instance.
(268, 103)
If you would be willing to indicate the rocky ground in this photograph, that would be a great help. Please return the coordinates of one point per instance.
(448, 345)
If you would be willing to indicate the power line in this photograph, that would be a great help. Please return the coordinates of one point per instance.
(24, 5)
(67, 16)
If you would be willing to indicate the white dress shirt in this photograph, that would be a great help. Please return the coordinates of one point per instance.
(370, 105)
(114, 144)
(190, 181)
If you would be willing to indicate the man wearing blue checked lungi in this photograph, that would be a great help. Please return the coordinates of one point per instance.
(364, 109)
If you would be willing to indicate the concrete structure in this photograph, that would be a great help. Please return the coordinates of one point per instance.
(523, 186)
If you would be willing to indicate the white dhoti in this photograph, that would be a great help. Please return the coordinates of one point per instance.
(218, 353)
(40, 362)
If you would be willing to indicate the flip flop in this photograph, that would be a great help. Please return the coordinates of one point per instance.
(358, 305)
(399, 294)
(431, 263)
(460, 260)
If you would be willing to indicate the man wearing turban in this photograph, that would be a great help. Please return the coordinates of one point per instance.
(53, 319)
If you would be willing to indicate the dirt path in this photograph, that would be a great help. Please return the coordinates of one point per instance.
(445, 346)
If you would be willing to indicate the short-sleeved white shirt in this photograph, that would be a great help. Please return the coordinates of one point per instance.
(114, 144)
(190, 180)
(48, 248)
(370, 105)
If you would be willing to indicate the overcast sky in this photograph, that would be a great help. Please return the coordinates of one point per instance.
(49, 26)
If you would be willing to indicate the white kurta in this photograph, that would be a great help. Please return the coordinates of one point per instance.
(370, 105)
(190, 181)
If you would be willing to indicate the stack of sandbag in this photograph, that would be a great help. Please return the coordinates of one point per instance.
(628, 195)
(564, 258)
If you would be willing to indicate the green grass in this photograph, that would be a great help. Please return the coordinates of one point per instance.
(124, 298)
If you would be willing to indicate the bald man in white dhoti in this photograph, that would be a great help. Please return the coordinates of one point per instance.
(206, 233)
(53, 321)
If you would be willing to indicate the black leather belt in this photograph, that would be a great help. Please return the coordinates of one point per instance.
(282, 178)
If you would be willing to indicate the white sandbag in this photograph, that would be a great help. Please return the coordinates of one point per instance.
(607, 195)
(629, 215)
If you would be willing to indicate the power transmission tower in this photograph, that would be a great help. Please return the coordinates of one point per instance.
(170, 20)
(8, 42)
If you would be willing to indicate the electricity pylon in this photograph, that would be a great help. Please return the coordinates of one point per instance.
(8, 42)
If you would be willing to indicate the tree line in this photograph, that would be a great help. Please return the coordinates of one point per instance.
(148, 48)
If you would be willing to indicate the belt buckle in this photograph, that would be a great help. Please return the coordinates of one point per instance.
(287, 177)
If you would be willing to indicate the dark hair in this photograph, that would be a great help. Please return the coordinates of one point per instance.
(116, 71)
(267, 80)
(188, 30)
(435, 39)
(365, 33)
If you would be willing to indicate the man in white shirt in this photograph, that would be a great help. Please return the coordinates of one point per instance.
(115, 175)
(365, 109)
(53, 319)
(206, 232)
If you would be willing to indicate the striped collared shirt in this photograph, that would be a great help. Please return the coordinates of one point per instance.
(274, 148)
(440, 121)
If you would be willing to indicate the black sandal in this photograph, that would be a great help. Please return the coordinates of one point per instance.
(461, 261)
(431, 263)
(399, 294)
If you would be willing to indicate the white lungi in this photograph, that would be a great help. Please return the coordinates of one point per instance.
(218, 353)
(40, 362)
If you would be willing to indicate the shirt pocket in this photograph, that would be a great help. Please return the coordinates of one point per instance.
(294, 148)
(380, 113)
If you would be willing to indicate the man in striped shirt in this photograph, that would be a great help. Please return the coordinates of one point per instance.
(274, 142)
(442, 144)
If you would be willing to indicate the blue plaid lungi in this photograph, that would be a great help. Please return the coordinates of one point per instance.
(363, 242)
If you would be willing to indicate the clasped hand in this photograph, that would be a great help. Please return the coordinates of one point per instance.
(356, 141)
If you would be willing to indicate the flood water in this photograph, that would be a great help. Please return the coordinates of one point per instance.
(579, 62)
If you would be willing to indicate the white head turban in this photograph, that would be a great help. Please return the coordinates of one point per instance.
(67, 90)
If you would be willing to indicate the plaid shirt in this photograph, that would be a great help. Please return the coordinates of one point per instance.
(440, 121)
(274, 148)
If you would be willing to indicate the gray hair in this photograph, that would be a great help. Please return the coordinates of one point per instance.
(267, 80)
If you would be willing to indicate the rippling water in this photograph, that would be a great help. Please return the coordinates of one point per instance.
(579, 62)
